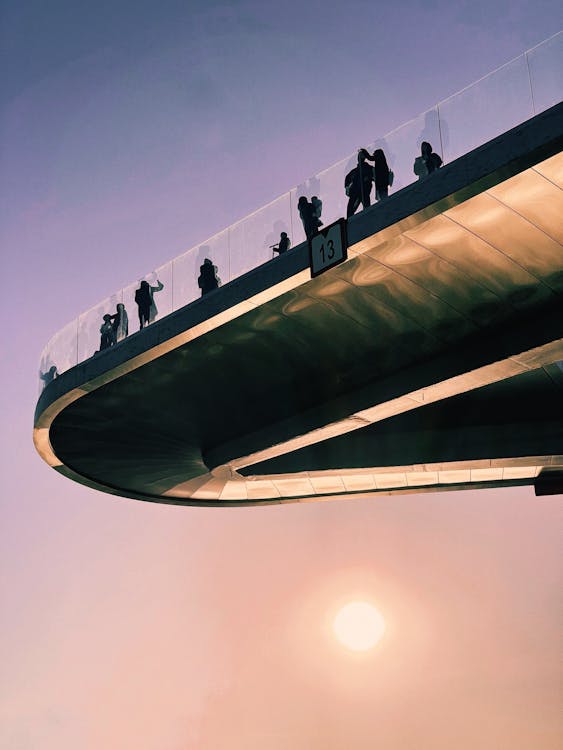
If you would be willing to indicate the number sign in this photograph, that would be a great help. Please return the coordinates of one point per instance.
(328, 248)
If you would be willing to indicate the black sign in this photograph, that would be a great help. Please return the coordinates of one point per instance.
(328, 248)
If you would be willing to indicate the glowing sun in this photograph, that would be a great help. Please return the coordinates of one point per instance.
(358, 626)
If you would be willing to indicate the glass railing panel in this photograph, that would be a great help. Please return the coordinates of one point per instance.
(402, 148)
(188, 268)
(297, 232)
(486, 109)
(130, 306)
(545, 63)
(186, 271)
(251, 240)
(94, 333)
(163, 299)
(60, 354)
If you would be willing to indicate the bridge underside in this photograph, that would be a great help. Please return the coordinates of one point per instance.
(430, 360)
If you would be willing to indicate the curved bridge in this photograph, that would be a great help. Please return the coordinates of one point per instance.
(431, 359)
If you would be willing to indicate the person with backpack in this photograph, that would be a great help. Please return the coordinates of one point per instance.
(307, 212)
(208, 279)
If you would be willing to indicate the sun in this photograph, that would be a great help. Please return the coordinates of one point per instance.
(358, 626)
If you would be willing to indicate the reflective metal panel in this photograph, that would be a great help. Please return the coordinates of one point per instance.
(552, 169)
(536, 198)
(480, 261)
(517, 238)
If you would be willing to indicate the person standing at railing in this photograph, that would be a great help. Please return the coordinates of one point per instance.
(107, 335)
(307, 212)
(208, 279)
(317, 209)
(283, 245)
(144, 297)
(357, 184)
(427, 162)
(120, 323)
(49, 376)
(383, 175)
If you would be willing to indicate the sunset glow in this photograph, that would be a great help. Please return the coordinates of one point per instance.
(359, 626)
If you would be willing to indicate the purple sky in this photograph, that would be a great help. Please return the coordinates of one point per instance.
(129, 132)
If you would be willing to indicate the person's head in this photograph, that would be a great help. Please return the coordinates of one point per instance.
(302, 201)
(144, 285)
(120, 307)
(314, 199)
(379, 159)
(107, 318)
(207, 262)
(283, 235)
(425, 148)
(362, 155)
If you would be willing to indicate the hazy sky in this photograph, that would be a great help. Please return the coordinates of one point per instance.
(129, 132)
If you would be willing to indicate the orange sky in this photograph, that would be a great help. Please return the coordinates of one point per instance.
(210, 629)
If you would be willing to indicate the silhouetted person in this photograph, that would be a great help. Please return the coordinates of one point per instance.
(144, 297)
(308, 217)
(357, 184)
(283, 245)
(208, 279)
(317, 209)
(107, 336)
(49, 376)
(427, 162)
(383, 175)
(120, 323)
(419, 167)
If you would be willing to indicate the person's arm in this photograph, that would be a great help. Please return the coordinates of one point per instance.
(158, 288)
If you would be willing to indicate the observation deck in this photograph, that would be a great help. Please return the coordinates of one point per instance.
(431, 359)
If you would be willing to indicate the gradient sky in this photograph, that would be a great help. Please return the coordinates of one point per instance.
(129, 132)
